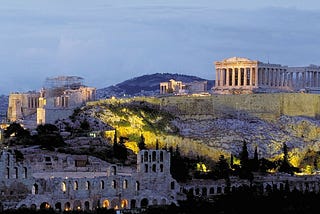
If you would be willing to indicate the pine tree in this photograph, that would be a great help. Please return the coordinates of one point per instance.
(231, 160)
(244, 156)
(222, 168)
(255, 161)
(245, 171)
(142, 144)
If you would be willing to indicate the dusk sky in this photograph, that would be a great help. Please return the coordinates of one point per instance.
(109, 41)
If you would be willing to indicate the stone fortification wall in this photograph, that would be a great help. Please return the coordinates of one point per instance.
(264, 106)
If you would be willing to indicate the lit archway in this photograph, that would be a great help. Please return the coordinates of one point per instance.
(67, 206)
(124, 203)
(45, 205)
(105, 204)
(77, 205)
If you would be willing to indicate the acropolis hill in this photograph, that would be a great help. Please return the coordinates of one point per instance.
(218, 124)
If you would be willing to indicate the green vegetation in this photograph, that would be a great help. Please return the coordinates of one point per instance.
(47, 136)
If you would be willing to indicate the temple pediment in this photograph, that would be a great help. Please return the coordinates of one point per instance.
(236, 59)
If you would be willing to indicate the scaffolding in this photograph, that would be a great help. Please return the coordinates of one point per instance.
(65, 82)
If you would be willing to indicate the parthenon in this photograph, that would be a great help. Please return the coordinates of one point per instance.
(242, 75)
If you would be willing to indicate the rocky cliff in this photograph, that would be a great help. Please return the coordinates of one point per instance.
(215, 125)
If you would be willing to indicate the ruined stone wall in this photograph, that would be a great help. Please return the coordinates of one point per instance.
(264, 106)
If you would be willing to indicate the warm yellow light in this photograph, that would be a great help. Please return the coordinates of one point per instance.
(201, 167)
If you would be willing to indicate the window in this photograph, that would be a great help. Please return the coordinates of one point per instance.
(25, 175)
(35, 189)
(63, 186)
(154, 168)
(161, 156)
(101, 184)
(75, 185)
(146, 168)
(137, 186)
(87, 185)
(125, 184)
(154, 156)
(114, 184)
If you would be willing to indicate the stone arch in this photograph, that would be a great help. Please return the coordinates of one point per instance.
(101, 184)
(154, 202)
(113, 170)
(33, 207)
(77, 205)
(144, 203)
(137, 186)
(75, 185)
(95, 204)
(25, 172)
(125, 184)
(197, 191)
(163, 201)
(115, 203)
(106, 204)
(87, 185)
(35, 189)
(86, 206)
(63, 186)
(154, 156)
(133, 203)
(58, 207)
(145, 158)
(45, 205)
(211, 190)
(67, 206)
(124, 203)
(204, 191)
(114, 184)
(161, 156)
(219, 190)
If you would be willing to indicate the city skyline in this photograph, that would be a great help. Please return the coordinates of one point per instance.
(107, 42)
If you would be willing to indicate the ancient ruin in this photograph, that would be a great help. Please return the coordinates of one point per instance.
(56, 100)
(242, 75)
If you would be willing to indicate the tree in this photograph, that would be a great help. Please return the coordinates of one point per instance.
(17, 130)
(142, 144)
(222, 168)
(285, 165)
(179, 166)
(245, 171)
(255, 161)
(48, 136)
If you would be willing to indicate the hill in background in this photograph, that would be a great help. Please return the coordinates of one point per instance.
(146, 85)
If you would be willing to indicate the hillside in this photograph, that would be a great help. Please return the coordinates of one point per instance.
(146, 85)
(210, 137)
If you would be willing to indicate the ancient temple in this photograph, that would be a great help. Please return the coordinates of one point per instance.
(242, 75)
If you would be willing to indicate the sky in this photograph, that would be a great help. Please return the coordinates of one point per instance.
(110, 41)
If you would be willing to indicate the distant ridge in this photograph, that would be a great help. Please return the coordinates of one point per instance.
(145, 85)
